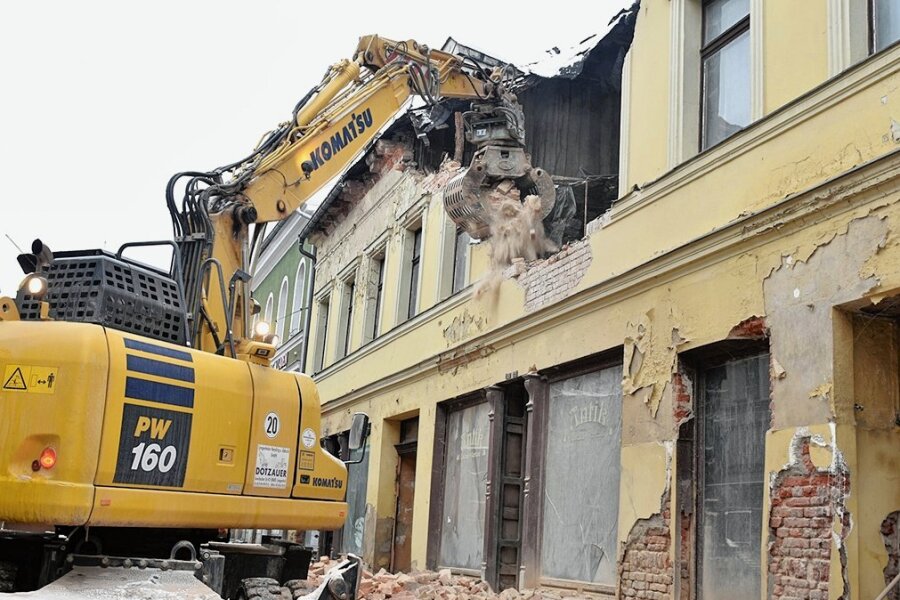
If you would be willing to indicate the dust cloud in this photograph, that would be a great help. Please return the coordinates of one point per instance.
(517, 232)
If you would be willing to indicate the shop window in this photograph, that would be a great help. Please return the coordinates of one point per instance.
(465, 485)
(581, 478)
(357, 477)
(730, 447)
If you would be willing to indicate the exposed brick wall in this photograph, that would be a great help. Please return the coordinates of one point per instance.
(804, 502)
(890, 532)
(645, 570)
(751, 328)
(552, 279)
(687, 552)
(682, 395)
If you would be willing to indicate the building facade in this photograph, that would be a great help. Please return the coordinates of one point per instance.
(698, 394)
(282, 283)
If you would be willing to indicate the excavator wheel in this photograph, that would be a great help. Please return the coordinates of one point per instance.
(8, 572)
(298, 588)
(262, 588)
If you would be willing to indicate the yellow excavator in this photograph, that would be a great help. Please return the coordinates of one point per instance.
(139, 417)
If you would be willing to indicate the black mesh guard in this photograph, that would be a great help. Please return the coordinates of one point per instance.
(96, 287)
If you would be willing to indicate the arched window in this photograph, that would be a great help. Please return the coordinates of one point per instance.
(282, 309)
(297, 316)
(267, 314)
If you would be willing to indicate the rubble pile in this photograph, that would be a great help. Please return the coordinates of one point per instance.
(432, 585)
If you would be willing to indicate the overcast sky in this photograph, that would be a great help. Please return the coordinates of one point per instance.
(102, 102)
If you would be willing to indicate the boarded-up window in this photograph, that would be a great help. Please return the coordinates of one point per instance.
(581, 479)
(735, 416)
(354, 526)
(465, 481)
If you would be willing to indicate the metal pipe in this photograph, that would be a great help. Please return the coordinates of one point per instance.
(889, 587)
(309, 298)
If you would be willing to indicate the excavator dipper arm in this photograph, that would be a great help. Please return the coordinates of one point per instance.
(329, 129)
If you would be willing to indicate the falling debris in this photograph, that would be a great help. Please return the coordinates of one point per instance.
(517, 232)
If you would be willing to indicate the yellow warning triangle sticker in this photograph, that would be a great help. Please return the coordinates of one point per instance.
(16, 381)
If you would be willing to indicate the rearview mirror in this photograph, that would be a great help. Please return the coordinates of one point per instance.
(359, 431)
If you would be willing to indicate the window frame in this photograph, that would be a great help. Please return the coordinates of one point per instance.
(718, 356)
(460, 267)
(373, 324)
(345, 324)
(871, 28)
(297, 308)
(281, 313)
(320, 350)
(415, 271)
(609, 359)
(710, 48)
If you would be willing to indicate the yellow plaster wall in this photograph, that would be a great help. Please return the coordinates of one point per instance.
(649, 93)
(646, 477)
(795, 49)
(701, 300)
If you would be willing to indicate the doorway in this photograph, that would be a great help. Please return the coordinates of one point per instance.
(401, 547)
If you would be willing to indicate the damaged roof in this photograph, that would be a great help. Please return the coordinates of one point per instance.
(606, 48)
(569, 61)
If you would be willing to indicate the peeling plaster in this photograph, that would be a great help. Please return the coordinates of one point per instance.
(647, 363)
(645, 483)
(463, 326)
(800, 295)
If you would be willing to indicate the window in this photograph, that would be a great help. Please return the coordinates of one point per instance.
(733, 418)
(375, 296)
(346, 322)
(725, 57)
(884, 23)
(297, 316)
(357, 479)
(465, 486)
(408, 305)
(460, 260)
(321, 334)
(270, 302)
(414, 267)
(454, 260)
(584, 428)
(282, 309)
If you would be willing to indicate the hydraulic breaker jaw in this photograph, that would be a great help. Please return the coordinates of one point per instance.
(497, 128)
(469, 198)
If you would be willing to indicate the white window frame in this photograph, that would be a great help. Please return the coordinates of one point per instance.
(297, 313)
(320, 349)
(413, 225)
(270, 303)
(685, 76)
(344, 340)
(374, 309)
(282, 309)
